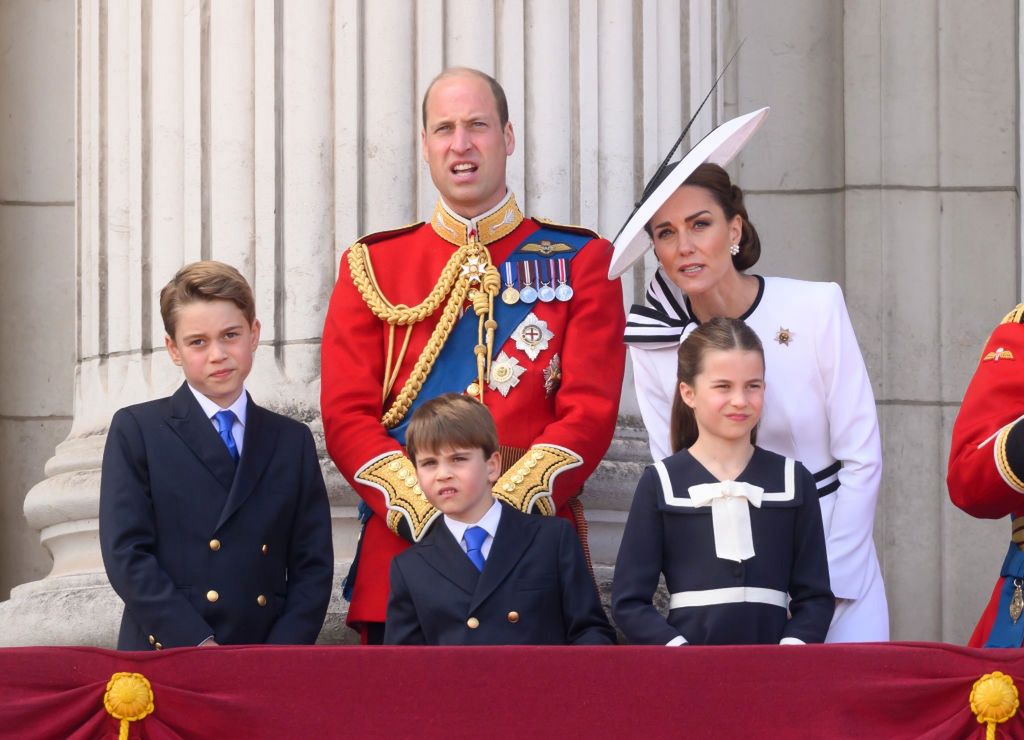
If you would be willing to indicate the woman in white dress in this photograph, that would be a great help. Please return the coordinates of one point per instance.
(819, 407)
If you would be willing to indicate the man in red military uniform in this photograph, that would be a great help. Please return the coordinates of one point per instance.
(512, 311)
(986, 469)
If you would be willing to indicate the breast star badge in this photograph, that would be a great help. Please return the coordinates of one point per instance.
(532, 336)
(784, 336)
(505, 372)
(553, 376)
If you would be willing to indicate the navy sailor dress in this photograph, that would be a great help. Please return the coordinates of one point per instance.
(780, 594)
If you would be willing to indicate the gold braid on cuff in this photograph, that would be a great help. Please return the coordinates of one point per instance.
(528, 483)
(395, 476)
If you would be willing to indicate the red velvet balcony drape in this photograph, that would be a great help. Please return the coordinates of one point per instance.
(898, 690)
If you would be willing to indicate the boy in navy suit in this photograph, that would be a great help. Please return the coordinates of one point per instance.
(489, 575)
(214, 521)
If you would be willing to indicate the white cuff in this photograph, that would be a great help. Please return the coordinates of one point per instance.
(676, 641)
(791, 641)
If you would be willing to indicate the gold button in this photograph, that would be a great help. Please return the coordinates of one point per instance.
(473, 390)
(212, 596)
(472, 623)
(152, 640)
(158, 646)
(517, 479)
(264, 549)
(509, 487)
(261, 600)
(395, 465)
(215, 545)
(513, 617)
(537, 455)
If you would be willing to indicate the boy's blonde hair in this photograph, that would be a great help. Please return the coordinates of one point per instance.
(451, 421)
(205, 281)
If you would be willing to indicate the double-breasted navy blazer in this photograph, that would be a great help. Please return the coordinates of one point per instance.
(197, 548)
(535, 589)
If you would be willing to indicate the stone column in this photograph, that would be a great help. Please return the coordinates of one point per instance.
(271, 135)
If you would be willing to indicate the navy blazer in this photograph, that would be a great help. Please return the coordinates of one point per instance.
(535, 589)
(196, 548)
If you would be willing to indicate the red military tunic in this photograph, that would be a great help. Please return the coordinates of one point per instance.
(986, 458)
(575, 412)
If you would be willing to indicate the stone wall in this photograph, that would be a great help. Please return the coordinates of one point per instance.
(272, 134)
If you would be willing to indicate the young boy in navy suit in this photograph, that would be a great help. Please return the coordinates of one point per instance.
(485, 574)
(214, 522)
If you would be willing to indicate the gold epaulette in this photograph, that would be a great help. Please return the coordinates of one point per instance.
(1016, 316)
(572, 229)
(379, 236)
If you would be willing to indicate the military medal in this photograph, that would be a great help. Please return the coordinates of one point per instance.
(505, 372)
(510, 295)
(532, 336)
(553, 376)
(784, 336)
(543, 269)
(528, 294)
(1017, 602)
(563, 292)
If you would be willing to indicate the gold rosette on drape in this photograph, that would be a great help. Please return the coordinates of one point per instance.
(129, 698)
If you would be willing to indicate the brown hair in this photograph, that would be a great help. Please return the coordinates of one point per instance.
(453, 421)
(500, 101)
(205, 281)
(729, 197)
(717, 334)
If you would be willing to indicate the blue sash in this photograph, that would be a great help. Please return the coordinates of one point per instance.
(1004, 632)
(455, 367)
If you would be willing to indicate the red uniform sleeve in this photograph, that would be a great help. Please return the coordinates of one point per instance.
(986, 458)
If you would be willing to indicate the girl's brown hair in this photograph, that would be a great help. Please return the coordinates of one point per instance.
(717, 334)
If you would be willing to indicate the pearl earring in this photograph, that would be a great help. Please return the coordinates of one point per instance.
(734, 249)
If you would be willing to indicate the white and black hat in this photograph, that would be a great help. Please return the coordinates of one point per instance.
(719, 147)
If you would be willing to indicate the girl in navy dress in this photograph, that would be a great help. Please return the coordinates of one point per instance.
(735, 529)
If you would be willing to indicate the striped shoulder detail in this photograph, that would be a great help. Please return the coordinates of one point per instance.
(572, 229)
(1016, 316)
(379, 236)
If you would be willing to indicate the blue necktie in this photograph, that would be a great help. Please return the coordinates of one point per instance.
(225, 420)
(474, 537)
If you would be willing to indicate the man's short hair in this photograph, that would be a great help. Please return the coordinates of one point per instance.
(205, 281)
(500, 101)
(451, 421)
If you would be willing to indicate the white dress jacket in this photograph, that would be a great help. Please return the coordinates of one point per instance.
(819, 409)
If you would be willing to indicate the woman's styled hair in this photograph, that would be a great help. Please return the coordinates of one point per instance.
(729, 197)
(717, 334)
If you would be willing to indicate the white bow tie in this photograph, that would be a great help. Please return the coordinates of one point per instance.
(730, 514)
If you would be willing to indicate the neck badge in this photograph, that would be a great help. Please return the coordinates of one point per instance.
(532, 336)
